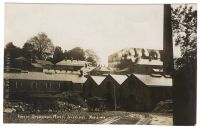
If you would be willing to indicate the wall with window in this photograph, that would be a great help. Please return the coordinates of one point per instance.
(24, 88)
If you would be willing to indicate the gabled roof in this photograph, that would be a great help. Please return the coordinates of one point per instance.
(72, 62)
(43, 76)
(154, 81)
(44, 62)
(98, 79)
(119, 78)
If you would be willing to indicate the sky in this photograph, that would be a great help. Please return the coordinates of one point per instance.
(103, 28)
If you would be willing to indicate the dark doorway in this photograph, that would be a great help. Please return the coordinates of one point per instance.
(131, 102)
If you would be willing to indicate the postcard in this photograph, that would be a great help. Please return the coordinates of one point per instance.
(125, 64)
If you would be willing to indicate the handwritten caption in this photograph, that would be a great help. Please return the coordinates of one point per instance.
(55, 116)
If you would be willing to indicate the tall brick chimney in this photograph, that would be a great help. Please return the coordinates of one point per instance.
(168, 64)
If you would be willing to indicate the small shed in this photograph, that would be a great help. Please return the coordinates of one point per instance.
(143, 92)
(110, 89)
(91, 86)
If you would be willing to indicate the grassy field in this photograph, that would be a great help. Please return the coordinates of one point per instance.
(79, 117)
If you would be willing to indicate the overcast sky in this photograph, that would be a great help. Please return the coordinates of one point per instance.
(103, 28)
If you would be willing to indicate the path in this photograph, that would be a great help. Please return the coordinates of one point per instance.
(144, 119)
(109, 120)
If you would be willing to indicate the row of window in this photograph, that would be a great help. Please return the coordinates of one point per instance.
(35, 85)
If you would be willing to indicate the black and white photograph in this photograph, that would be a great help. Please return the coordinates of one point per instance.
(119, 64)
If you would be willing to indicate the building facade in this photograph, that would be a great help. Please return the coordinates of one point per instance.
(135, 92)
(106, 87)
(92, 86)
(34, 84)
(143, 92)
(71, 65)
(135, 60)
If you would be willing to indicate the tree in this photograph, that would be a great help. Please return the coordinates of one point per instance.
(29, 52)
(65, 54)
(58, 55)
(76, 53)
(11, 52)
(91, 56)
(184, 25)
(42, 44)
(10, 45)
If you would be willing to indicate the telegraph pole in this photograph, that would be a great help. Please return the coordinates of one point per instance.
(115, 105)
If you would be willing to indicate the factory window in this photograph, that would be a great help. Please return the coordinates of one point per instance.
(21, 86)
(48, 84)
(18, 84)
(34, 85)
(39, 84)
(59, 85)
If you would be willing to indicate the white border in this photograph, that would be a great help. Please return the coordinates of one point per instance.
(105, 1)
(53, 126)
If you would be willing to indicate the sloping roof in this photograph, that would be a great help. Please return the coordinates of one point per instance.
(21, 58)
(105, 69)
(72, 62)
(44, 62)
(122, 70)
(98, 79)
(154, 81)
(87, 69)
(43, 76)
(148, 62)
(36, 65)
(157, 70)
(119, 78)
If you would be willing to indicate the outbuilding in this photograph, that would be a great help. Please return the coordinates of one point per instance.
(110, 90)
(142, 92)
(92, 86)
